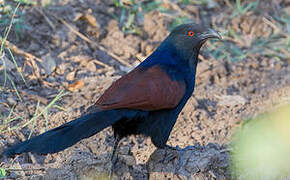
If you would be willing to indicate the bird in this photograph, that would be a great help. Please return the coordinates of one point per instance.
(146, 101)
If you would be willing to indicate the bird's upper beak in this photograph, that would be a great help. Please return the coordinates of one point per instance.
(210, 33)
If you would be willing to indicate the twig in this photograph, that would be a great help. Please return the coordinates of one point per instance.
(83, 37)
(35, 97)
(237, 41)
(46, 18)
(100, 63)
(274, 26)
(8, 30)
(201, 57)
(28, 57)
(18, 69)
(228, 3)
(34, 119)
(57, 97)
(14, 87)
(227, 150)
(35, 169)
(212, 174)
(285, 52)
(20, 52)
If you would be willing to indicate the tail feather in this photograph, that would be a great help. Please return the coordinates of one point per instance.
(66, 135)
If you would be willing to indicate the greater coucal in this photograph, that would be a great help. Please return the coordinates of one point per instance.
(145, 101)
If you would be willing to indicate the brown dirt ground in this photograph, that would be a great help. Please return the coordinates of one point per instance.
(225, 95)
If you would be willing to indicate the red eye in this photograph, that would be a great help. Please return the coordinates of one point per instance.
(190, 33)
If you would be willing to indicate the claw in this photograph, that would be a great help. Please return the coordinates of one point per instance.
(114, 160)
(179, 154)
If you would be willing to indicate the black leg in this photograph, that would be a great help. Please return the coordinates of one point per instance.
(177, 153)
(177, 148)
(113, 159)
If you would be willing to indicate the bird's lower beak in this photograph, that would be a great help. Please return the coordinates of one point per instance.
(210, 33)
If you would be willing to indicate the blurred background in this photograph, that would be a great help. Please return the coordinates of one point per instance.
(57, 57)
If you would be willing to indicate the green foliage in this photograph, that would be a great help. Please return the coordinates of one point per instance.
(269, 47)
(196, 2)
(135, 10)
(2, 173)
(26, 2)
(201, 2)
(179, 20)
(243, 8)
(6, 12)
(284, 18)
(186, 2)
(128, 13)
(261, 147)
(154, 5)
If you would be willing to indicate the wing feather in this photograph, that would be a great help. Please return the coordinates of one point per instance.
(143, 89)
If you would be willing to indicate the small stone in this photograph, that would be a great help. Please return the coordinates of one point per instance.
(45, 2)
(76, 86)
(228, 100)
(91, 20)
(191, 167)
(70, 76)
(126, 68)
(91, 66)
(33, 47)
(278, 66)
(9, 65)
(60, 69)
(48, 63)
(255, 65)
(211, 4)
(129, 160)
(56, 40)
(203, 67)
(148, 49)
(11, 101)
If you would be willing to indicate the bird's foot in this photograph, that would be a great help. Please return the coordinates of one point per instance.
(113, 163)
(176, 148)
(177, 154)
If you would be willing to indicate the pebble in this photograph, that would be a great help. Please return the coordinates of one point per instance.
(228, 100)
(91, 66)
(60, 69)
(70, 76)
(9, 64)
(129, 160)
(48, 63)
(11, 101)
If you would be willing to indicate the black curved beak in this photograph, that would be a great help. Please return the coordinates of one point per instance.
(210, 33)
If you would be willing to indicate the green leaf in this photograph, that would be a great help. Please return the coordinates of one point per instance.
(153, 5)
(26, 2)
(2, 173)
(179, 20)
(130, 20)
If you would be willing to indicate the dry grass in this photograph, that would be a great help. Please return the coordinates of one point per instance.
(6, 121)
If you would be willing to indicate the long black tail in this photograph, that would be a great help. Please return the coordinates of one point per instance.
(68, 134)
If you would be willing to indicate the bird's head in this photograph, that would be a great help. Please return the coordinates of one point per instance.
(192, 35)
(187, 39)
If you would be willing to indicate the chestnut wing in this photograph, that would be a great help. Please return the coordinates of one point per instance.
(143, 89)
